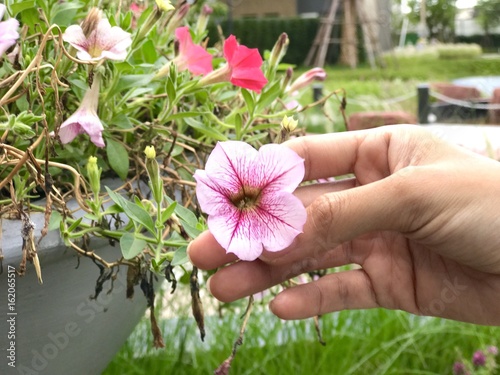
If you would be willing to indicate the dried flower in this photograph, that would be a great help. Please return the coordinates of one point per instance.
(8, 31)
(248, 197)
(103, 42)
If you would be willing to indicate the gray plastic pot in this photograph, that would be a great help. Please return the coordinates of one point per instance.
(57, 328)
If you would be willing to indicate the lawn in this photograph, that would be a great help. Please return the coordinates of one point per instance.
(357, 342)
(393, 88)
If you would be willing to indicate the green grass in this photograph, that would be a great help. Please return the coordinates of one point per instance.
(357, 342)
(379, 90)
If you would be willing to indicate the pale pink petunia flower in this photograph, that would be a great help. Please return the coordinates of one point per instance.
(85, 119)
(8, 31)
(248, 196)
(306, 79)
(105, 42)
(243, 67)
(191, 56)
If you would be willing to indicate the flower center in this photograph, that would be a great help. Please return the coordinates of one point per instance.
(246, 198)
(95, 51)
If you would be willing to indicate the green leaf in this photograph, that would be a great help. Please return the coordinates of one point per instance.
(133, 211)
(183, 213)
(212, 133)
(75, 225)
(130, 81)
(55, 220)
(122, 121)
(238, 122)
(167, 212)
(30, 17)
(171, 91)
(149, 53)
(180, 256)
(193, 232)
(248, 100)
(19, 6)
(269, 96)
(118, 158)
(131, 246)
(182, 115)
(64, 12)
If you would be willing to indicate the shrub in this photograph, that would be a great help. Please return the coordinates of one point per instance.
(459, 51)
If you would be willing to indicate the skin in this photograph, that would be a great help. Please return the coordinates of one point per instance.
(420, 217)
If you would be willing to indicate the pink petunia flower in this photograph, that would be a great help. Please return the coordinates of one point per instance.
(478, 359)
(104, 42)
(247, 195)
(304, 80)
(191, 56)
(85, 119)
(8, 31)
(243, 67)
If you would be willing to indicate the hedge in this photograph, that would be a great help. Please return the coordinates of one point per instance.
(488, 43)
(262, 33)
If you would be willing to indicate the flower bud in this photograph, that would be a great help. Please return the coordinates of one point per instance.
(202, 22)
(150, 152)
(94, 174)
(289, 124)
(177, 18)
(149, 206)
(287, 79)
(279, 50)
(165, 5)
(153, 170)
(306, 79)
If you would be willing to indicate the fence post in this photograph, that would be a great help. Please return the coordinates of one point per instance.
(317, 91)
(424, 108)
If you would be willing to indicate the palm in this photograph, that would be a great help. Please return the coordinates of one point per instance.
(408, 276)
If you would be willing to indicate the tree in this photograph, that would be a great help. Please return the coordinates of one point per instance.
(440, 17)
(349, 47)
(488, 14)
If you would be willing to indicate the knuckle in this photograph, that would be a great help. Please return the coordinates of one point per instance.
(342, 291)
(323, 211)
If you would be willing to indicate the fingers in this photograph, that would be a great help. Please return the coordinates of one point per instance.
(339, 217)
(242, 279)
(333, 292)
(206, 253)
(337, 154)
(307, 194)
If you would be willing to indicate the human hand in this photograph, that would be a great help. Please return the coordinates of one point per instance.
(420, 217)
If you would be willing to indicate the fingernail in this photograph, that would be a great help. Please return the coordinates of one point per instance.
(187, 251)
(208, 284)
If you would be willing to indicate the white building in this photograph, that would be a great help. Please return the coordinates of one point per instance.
(467, 25)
